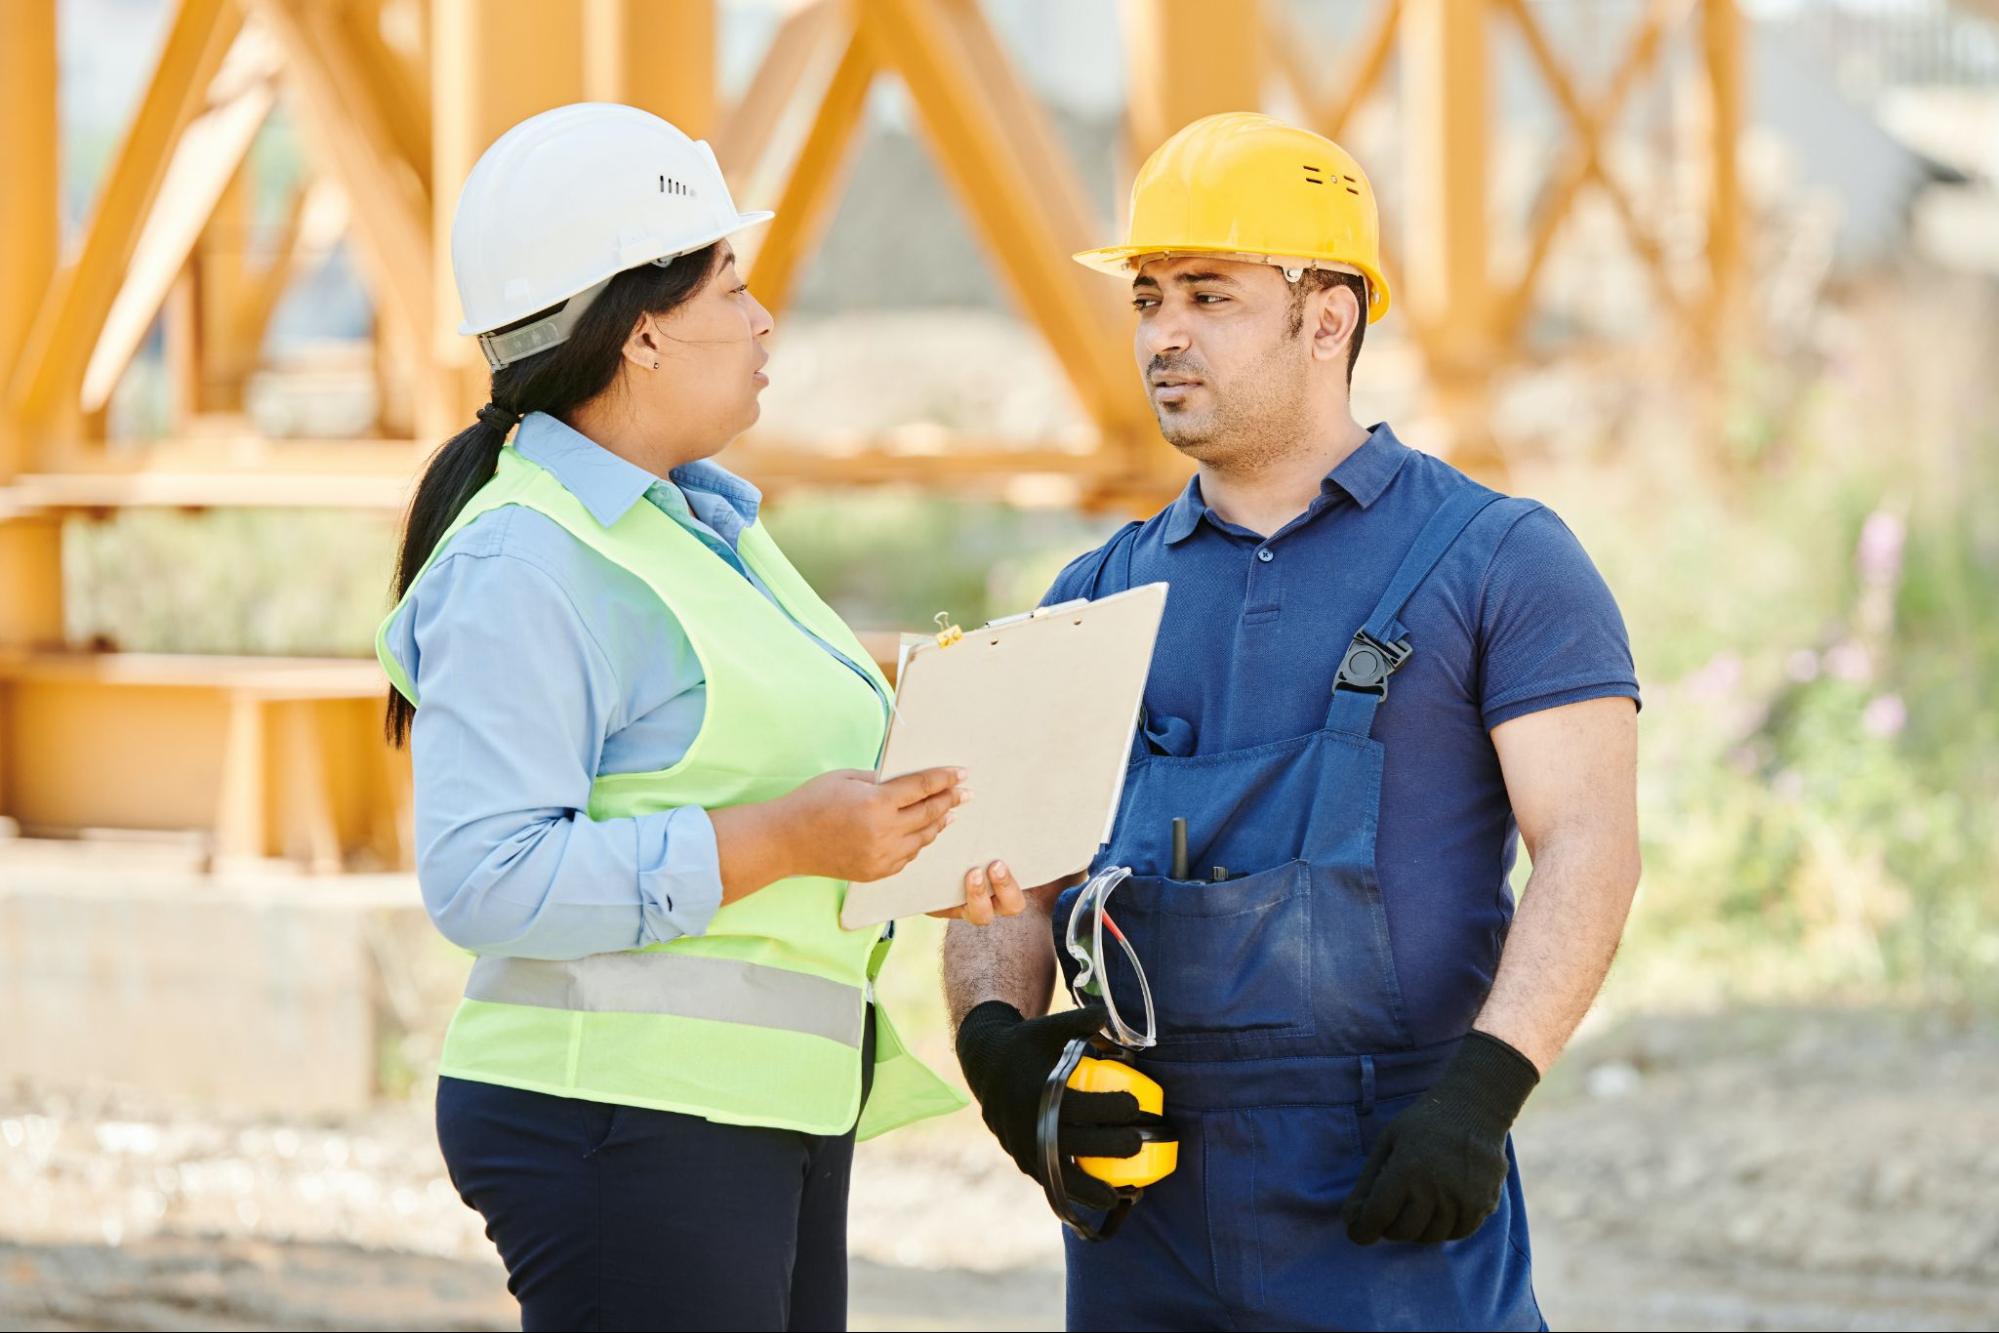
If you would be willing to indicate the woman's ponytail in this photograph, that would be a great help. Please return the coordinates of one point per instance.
(455, 474)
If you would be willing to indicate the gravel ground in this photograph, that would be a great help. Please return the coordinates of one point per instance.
(1812, 1170)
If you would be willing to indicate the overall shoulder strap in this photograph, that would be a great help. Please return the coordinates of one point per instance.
(1380, 646)
(1110, 569)
(1108, 573)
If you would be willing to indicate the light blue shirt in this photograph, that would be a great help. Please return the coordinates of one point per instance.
(542, 665)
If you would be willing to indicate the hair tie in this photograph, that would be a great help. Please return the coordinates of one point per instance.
(499, 418)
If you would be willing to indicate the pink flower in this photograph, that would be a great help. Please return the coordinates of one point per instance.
(1718, 679)
(1848, 661)
(1879, 554)
(1884, 717)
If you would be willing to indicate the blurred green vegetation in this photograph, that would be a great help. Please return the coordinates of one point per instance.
(315, 582)
(894, 558)
(1812, 609)
(286, 582)
(1809, 582)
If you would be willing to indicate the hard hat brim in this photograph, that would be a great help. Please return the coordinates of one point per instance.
(1118, 260)
(637, 259)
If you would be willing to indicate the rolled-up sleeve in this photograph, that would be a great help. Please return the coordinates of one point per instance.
(517, 697)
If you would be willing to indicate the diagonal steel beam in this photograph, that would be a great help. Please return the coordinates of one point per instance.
(1026, 125)
(398, 82)
(988, 136)
(1357, 79)
(44, 388)
(315, 219)
(207, 159)
(1584, 163)
(751, 134)
(1590, 127)
(349, 133)
(805, 204)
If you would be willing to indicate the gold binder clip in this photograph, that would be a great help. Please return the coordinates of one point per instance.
(947, 633)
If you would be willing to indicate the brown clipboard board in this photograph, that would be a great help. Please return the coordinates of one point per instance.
(1040, 710)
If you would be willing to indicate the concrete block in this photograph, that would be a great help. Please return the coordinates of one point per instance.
(281, 994)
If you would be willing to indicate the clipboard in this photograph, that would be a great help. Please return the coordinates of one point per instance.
(1039, 709)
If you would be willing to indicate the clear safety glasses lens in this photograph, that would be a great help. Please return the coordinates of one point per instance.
(1088, 923)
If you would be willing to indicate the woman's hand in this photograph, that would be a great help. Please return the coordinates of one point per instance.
(845, 825)
(989, 891)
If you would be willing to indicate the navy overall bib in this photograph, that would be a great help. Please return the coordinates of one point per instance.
(1282, 1047)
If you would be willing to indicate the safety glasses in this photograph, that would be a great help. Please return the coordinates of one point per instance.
(1089, 919)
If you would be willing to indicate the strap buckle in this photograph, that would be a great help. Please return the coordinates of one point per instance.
(1369, 663)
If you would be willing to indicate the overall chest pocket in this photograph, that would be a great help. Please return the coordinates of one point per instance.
(1230, 964)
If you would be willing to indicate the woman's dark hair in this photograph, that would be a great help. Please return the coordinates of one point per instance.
(557, 382)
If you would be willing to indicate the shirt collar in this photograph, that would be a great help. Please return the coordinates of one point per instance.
(1185, 513)
(1363, 474)
(710, 477)
(609, 485)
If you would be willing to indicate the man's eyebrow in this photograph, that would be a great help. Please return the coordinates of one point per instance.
(1145, 280)
(1190, 279)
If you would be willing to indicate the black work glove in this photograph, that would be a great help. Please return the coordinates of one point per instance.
(1437, 1171)
(1007, 1060)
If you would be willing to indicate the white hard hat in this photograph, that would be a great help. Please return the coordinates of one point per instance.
(567, 200)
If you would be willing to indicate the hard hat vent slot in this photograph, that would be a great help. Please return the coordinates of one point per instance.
(1314, 175)
(668, 185)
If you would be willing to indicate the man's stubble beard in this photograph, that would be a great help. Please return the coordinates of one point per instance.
(1248, 427)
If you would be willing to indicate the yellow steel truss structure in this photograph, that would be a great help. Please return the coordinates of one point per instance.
(395, 99)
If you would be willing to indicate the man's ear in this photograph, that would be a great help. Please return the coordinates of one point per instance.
(1339, 317)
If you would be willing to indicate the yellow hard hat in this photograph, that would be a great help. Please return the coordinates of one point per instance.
(1246, 184)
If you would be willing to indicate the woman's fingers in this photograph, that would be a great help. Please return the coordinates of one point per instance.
(925, 803)
(932, 812)
(915, 788)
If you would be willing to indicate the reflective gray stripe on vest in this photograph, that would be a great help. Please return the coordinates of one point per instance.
(725, 990)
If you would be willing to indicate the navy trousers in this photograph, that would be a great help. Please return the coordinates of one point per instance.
(617, 1217)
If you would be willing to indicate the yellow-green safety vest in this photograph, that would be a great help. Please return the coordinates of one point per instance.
(758, 1021)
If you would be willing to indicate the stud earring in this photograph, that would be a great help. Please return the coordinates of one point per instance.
(655, 363)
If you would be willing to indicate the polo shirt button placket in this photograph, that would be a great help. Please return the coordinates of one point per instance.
(1265, 555)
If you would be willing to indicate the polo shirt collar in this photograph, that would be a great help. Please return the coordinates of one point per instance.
(1185, 513)
(607, 485)
(1363, 474)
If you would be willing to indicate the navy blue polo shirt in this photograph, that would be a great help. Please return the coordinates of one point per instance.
(1514, 619)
